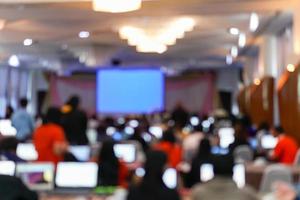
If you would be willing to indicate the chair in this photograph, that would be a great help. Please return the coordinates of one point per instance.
(273, 173)
(243, 154)
(297, 158)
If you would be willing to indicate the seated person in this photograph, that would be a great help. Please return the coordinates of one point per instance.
(222, 186)
(12, 188)
(8, 148)
(112, 172)
(240, 136)
(203, 156)
(169, 146)
(49, 139)
(286, 149)
(152, 186)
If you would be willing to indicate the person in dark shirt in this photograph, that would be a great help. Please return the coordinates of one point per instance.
(180, 116)
(203, 156)
(12, 188)
(74, 122)
(8, 149)
(152, 186)
(240, 136)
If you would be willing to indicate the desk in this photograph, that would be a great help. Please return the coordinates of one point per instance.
(254, 174)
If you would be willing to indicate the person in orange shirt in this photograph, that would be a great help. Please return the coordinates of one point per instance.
(169, 146)
(286, 149)
(49, 139)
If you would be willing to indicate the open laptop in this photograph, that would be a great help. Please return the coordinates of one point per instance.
(82, 153)
(6, 128)
(27, 151)
(239, 174)
(268, 141)
(76, 178)
(170, 178)
(7, 168)
(126, 152)
(37, 176)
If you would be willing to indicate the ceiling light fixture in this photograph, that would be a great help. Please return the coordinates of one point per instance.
(156, 41)
(242, 40)
(290, 67)
(234, 31)
(14, 61)
(84, 34)
(28, 42)
(116, 6)
(257, 81)
(254, 22)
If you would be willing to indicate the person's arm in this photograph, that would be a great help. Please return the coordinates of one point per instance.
(25, 193)
(60, 143)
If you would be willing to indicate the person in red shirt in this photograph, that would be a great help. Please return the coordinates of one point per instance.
(286, 149)
(169, 146)
(49, 139)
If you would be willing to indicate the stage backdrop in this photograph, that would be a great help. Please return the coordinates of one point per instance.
(195, 92)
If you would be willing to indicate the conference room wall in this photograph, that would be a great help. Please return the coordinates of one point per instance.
(289, 102)
(257, 101)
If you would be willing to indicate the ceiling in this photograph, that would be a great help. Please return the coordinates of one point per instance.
(54, 27)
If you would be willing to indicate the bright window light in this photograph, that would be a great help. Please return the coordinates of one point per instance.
(254, 22)
(84, 34)
(234, 31)
(28, 42)
(14, 61)
(234, 51)
(116, 6)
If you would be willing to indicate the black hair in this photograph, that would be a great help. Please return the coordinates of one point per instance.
(204, 149)
(169, 136)
(279, 129)
(263, 126)
(23, 102)
(74, 101)
(108, 165)
(8, 144)
(223, 165)
(53, 115)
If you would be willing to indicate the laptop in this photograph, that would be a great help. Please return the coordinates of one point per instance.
(6, 128)
(239, 174)
(76, 178)
(7, 168)
(268, 141)
(82, 153)
(226, 136)
(27, 151)
(126, 152)
(36, 176)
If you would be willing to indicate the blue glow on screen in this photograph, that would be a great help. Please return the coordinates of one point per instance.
(130, 90)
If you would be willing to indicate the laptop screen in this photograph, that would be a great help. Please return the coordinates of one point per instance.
(268, 142)
(170, 178)
(226, 136)
(7, 168)
(27, 151)
(76, 175)
(82, 153)
(126, 152)
(37, 176)
(6, 128)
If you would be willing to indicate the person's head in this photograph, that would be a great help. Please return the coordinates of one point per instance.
(169, 136)
(240, 130)
(155, 165)
(277, 130)
(223, 165)
(204, 148)
(8, 111)
(74, 101)
(263, 126)
(53, 115)
(9, 144)
(23, 102)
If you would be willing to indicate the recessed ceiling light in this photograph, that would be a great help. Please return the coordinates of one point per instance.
(234, 51)
(254, 22)
(14, 61)
(257, 81)
(242, 40)
(290, 67)
(84, 34)
(234, 31)
(28, 42)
